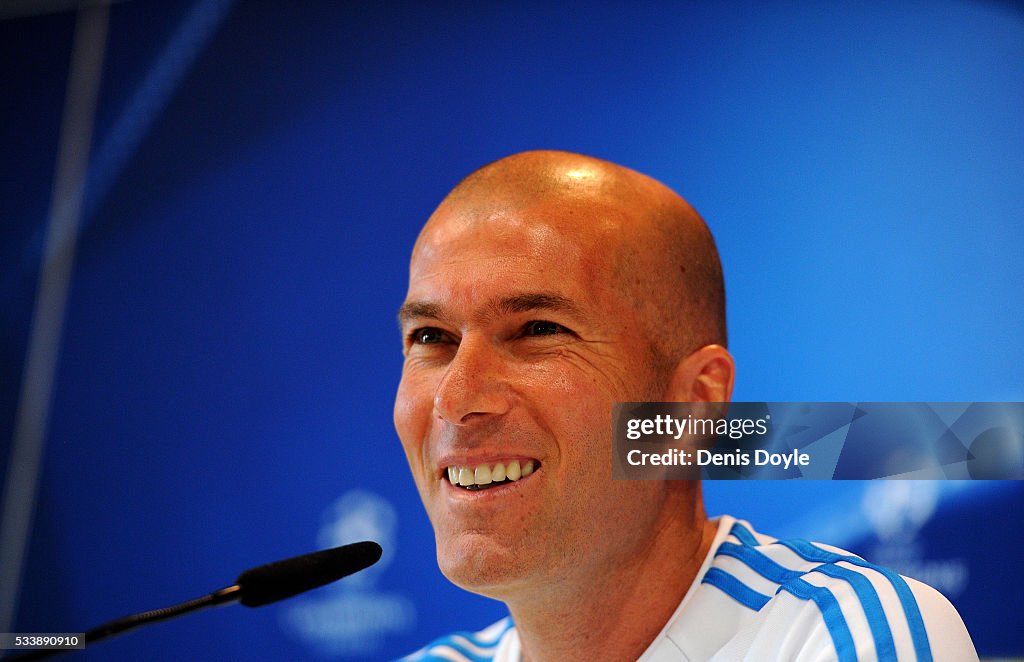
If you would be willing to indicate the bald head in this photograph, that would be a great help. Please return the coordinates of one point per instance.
(662, 256)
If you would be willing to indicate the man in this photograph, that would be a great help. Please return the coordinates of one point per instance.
(546, 287)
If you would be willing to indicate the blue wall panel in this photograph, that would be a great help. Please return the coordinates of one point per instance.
(230, 353)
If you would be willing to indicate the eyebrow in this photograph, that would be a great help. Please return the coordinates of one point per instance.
(411, 310)
(509, 305)
(524, 303)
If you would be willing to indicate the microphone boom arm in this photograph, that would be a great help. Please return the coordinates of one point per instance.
(253, 588)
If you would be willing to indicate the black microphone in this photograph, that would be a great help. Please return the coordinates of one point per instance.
(253, 588)
(283, 579)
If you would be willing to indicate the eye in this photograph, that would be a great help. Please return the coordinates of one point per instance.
(428, 335)
(542, 328)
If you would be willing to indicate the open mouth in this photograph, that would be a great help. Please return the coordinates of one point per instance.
(486, 476)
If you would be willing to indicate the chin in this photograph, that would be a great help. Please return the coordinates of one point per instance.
(479, 564)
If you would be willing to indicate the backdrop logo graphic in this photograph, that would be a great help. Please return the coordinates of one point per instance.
(898, 511)
(353, 617)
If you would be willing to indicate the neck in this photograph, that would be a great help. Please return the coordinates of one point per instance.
(617, 613)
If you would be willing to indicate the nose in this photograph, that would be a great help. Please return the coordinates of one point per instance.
(474, 385)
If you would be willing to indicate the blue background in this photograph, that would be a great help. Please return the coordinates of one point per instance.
(259, 174)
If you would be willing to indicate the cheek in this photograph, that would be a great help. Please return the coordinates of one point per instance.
(413, 407)
(575, 407)
(574, 391)
(567, 376)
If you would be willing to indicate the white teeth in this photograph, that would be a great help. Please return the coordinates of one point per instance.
(485, 474)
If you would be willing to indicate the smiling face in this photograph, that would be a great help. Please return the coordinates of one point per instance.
(520, 334)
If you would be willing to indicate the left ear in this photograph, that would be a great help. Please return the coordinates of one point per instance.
(705, 375)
